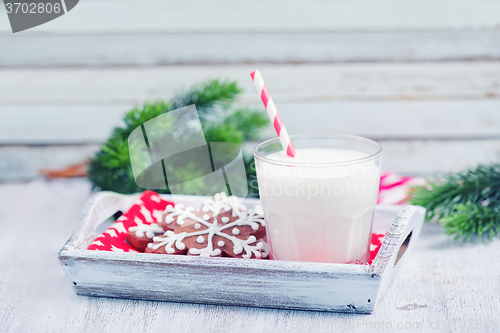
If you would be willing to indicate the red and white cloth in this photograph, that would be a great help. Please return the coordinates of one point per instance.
(149, 208)
(394, 188)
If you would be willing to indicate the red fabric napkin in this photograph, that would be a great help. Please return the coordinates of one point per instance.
(147, 209)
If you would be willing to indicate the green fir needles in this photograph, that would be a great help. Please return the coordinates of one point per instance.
(110, 168)
(466, 203)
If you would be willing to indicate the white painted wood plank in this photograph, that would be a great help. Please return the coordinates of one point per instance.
(21, 163)
(269, 16)
(444, 280)
(412, 157)
(223, 48)
(428, 157)
(397, 120)
(287, 83)
(59, 124)
(80, 124)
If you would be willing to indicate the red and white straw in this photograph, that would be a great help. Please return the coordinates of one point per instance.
(272, 112)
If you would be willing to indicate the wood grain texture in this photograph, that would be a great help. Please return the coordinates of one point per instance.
(427, 157)
(223, 282)
(447, 286)
(22, 163)
(237, 48)
(409, 157)
(288, 83)
(429, 117)
(260, 283)
(443, 281)
(60, 124)
(249, 16)
(379, 120)
(412, 156)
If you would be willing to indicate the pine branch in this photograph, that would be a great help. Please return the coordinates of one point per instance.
(468, 219)
(249, 121)
(138, 116)
(206, 94)
(253, 186)
(465, 203)
(223, 132)
(110, 168)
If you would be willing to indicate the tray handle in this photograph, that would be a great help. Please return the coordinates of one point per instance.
(399, 239)
(98, 208)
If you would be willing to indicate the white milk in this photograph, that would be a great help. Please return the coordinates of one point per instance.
(319, 213)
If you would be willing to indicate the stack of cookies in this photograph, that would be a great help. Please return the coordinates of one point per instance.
(223, 227)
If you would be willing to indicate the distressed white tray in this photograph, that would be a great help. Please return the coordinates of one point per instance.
(232, 281)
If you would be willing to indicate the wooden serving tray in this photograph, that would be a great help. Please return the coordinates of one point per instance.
(234, 281)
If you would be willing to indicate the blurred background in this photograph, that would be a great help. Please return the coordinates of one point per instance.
(421, 77)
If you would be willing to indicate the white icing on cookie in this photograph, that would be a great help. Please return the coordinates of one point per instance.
(250, 218)
(221, 243)
(197, 226)
(180, 211)
(221, 201)
(254, 217)
(148, 230)
(171, 241)
(200, 239)
(225, 219)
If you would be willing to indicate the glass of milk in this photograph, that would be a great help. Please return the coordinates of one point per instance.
(319, 205)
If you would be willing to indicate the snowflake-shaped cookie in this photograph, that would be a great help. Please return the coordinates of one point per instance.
(142, 234)
(223, 227)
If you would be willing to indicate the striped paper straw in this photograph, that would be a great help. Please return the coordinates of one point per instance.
(272, 112)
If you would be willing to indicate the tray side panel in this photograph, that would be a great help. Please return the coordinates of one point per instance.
(408, 221)
(99, 207)
(241, 285)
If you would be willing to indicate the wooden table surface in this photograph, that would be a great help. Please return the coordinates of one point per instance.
(446, 286)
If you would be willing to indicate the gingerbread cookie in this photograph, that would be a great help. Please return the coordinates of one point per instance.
(141, 235)
(222, 227)
(220, 205)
